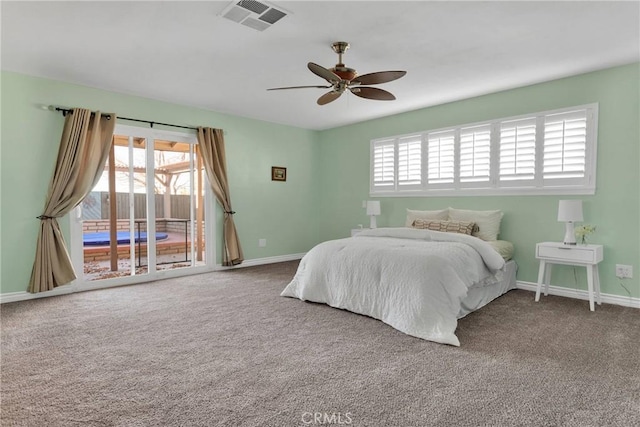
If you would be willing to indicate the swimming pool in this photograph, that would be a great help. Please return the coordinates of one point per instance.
(122, 237)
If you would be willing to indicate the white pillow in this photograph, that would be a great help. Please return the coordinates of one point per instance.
(504, 248)
(488, 221)
(441, 215)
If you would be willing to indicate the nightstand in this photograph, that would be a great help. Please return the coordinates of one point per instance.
(588, 256)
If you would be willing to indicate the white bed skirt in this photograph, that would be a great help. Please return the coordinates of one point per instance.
(479, 296)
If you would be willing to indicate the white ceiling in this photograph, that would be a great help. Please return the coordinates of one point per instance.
(185, 53)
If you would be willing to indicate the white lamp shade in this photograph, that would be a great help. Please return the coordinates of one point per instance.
(570, 211)
(373, 207)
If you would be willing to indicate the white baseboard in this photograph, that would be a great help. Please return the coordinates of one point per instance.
(68, 289)
(23, 296)
(581, 294)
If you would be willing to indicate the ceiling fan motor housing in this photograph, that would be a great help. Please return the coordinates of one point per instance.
(345, 73)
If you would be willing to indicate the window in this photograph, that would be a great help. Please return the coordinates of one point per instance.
(551, 152)
(409, 161)
(475, 150)
(518, 150)
(440, 161)
(383, 164)
(565, 145)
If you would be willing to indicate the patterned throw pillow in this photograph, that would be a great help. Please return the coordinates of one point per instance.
(463, 227)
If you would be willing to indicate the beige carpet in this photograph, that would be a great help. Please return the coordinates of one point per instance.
(224, 349)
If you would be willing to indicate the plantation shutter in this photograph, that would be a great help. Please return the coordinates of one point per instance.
(440, 151)
(475, 154)
(410, 161)
(383, 164)
(518, 150)
(565, 145)
(549, 152)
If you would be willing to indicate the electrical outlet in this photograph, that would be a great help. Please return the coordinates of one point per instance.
(624, 271)
(262, 243)
(364, 204)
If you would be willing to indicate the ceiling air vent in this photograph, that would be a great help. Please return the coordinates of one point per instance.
(254, 14)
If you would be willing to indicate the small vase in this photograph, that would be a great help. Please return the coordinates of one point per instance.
(583, 240)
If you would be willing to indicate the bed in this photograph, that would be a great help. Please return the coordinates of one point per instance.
(418, 281)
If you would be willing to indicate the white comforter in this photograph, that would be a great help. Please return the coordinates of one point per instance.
(413, 280)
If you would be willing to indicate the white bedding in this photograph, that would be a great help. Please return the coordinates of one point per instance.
(413, 280)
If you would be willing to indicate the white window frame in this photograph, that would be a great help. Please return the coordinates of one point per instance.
(494, 186)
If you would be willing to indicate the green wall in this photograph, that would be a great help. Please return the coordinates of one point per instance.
(614, 209)
(328, 171)
(276, 211)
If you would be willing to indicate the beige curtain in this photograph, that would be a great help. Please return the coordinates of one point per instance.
(84, 147)
(211, 145)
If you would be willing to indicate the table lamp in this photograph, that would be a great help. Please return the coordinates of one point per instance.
(569, 211)
(373, 209)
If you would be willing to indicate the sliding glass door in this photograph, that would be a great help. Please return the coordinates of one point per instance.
(146, 218)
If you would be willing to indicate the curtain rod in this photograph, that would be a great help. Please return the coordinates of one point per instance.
(66, 111)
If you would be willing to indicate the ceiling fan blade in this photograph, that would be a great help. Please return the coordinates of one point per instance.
(379, 77)
(299, 87)
(323, 72)
(373, 93)
(328, 97)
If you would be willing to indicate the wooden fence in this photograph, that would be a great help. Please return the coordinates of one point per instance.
(179, 206)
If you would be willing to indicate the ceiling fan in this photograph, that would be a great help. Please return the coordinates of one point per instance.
(342, 78)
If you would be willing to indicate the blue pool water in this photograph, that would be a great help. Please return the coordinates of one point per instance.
(102, 238)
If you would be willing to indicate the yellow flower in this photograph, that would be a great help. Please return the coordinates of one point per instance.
(585, 230)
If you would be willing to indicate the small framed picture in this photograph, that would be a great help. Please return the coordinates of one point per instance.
(278, 173)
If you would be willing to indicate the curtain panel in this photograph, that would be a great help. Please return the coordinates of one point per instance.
(84, 147)
(211, 148)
